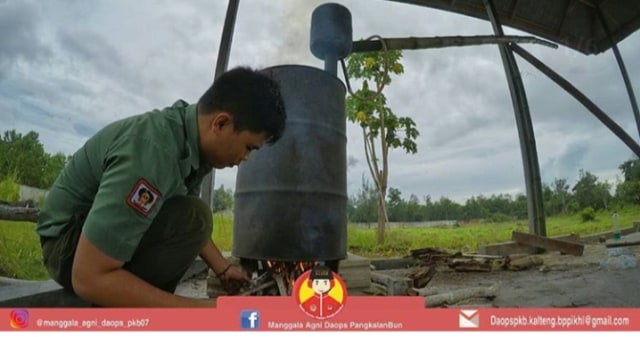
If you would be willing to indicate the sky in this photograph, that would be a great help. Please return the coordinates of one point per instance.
(69, 68)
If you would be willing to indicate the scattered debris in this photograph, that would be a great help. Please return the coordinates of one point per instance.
(422, 276)
(395, 286)
(429, 256)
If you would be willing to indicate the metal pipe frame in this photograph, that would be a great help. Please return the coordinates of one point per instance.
(533, 184)
(221, 66)
(582, 98)
(623, 70)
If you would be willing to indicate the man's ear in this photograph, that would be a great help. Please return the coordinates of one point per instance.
(221, 120)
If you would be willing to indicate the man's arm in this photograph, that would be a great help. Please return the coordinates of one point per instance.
(223, 269)
(213, 258)
(100, 279)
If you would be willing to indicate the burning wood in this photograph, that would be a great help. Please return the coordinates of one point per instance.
(272, 278)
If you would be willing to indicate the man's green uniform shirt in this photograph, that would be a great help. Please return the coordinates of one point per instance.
(122, 175)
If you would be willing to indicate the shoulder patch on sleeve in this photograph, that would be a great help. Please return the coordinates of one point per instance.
(143, 197)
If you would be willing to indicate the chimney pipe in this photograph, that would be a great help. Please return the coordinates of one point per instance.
(331, 35)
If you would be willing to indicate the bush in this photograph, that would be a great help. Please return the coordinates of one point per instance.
(499, 217)
(588, 214)
(9, 188)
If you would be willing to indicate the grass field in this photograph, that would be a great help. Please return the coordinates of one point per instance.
(20, 253)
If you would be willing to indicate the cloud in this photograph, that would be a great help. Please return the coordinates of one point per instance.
(20, 35)
(84, 64)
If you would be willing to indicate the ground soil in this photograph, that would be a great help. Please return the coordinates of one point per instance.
(563, 281)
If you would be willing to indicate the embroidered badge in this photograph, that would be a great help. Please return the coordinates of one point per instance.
(143, 197)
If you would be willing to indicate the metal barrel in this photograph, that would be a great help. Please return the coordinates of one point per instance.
(291, 197)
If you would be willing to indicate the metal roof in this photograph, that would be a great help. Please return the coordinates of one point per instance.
(572, 23)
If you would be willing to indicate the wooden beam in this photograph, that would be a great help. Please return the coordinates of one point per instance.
(18, 213)
(548, 243)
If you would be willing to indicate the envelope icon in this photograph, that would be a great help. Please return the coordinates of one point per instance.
(469, 319)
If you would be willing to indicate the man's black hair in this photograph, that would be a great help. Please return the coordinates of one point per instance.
(252, 98)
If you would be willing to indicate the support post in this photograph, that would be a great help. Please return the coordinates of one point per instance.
(525, 130)
(221, 67)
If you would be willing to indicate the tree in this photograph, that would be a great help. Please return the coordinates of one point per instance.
(222, 199)
(53, 167)
(629, 190)
(557, 197)
(395, 205)
(561, 194)
(589, 192)
(25, 156)
(363, 205)
(382, 129)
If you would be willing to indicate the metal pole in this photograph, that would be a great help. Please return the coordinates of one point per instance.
(582, 98)
(221, 67)
(525, 130)
(623, 70)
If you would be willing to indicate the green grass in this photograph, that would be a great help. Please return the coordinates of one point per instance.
(20, 254)
(467, 238)
(20, 250)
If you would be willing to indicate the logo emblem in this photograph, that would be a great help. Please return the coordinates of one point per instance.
(19, 319)
(320, 293)
(250, 319)
(469, 319)
(143, 197)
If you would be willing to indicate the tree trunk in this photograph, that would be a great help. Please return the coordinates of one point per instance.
(382, 218)
(18, 213)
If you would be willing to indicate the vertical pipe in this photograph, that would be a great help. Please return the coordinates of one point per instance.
(221, 67)
(525, 130)
(623, 70)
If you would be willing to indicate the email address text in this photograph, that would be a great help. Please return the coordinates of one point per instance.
(557, 321)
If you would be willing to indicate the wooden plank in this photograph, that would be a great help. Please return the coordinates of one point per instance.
(566, 247)
(510, 247)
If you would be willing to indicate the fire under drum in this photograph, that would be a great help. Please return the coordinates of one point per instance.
(290, 207)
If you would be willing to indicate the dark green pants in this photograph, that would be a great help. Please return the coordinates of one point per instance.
(174, 239)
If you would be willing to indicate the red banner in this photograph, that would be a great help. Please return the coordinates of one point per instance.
(358, 314)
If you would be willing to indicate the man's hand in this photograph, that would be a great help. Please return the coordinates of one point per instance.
(233, 279)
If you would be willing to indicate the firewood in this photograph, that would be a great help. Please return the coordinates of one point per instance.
(18, 213)
(459, 295)
(427, 291)
(525, 262)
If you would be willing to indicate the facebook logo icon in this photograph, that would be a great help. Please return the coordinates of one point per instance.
(250, 319)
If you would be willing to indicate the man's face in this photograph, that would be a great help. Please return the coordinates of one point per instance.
(144, 199)
(321, 286)
(226, 147)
